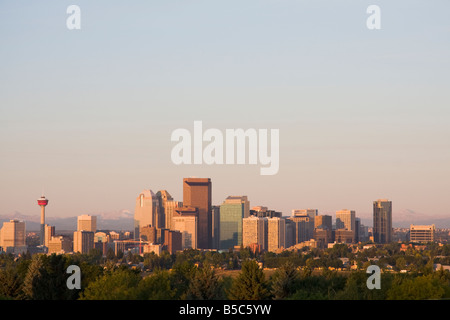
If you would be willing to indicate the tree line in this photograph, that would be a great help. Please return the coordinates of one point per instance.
(195, 275)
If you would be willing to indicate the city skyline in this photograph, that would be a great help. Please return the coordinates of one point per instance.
(403, 221)
(362, 114)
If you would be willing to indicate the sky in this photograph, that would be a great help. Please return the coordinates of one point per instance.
(86, 115)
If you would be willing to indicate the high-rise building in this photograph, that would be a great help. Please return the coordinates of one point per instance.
(323, 222)
(49, 232)
(164, 198)
(382, 221)
(232, 211)
(276, 228)
(185, 221)
(254, 231)
(83, 241)
(12, 235)
(169, 211)
(59, 245)
(87, 222)
(197, 193)
(345, 219)
(421, 233)
(304, 225)
(146, 211)
(42, 202)
(215, 226)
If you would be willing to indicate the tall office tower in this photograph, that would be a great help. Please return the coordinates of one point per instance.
(345, 219)
(357, 229)
(323, 222)
(290, 233)
(304, 224)
(215, 227)
(42, 202)
(276, 228)
(163, 198)
(421, 233)
(254, 231)
(83, 241)
(145, 212)
(382, 221)
(197, 193)
(169, 211)
(12, 235)
(185, 221)
(49, 232)
(232, 211)
(87, 222)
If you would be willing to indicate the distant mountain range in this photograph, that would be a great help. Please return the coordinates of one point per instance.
(120, 221)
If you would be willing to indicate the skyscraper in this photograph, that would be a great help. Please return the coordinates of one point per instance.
(323, 222)
(12, 235)
(345, 219)
(382, 221)
(215, 227)
(87, 223)
(303, 220)
(254, 231)
(42, 202)
(197, 193)
(49, 232)
(145, 212)
(83, 241)
(232, 211)
(276, 228)
(164, 198)
(185, 221)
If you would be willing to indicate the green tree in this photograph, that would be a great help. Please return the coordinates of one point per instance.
(285, 281)
(205, 285)
(33, 274)
(417, 288)
(250, 284)
(119, 284)
(10, 282)
(158, 286)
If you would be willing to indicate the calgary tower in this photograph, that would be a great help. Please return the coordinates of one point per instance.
(42, 202)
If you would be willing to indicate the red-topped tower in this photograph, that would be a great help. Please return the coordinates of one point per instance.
(42, 202)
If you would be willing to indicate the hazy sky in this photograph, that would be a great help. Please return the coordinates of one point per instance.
(88, 114)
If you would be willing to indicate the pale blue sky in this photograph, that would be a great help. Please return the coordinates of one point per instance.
(363, 114)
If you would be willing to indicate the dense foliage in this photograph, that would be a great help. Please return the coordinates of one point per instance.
(335, 273)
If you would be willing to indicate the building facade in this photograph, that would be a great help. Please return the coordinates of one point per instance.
(232, 211)
(276, 228)
(185, 221)
(12, 235)
(197, 193)
(87, 222)
(382, 221)
(254, 231)
(146, 211)
(422, 233)
(83, 241)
